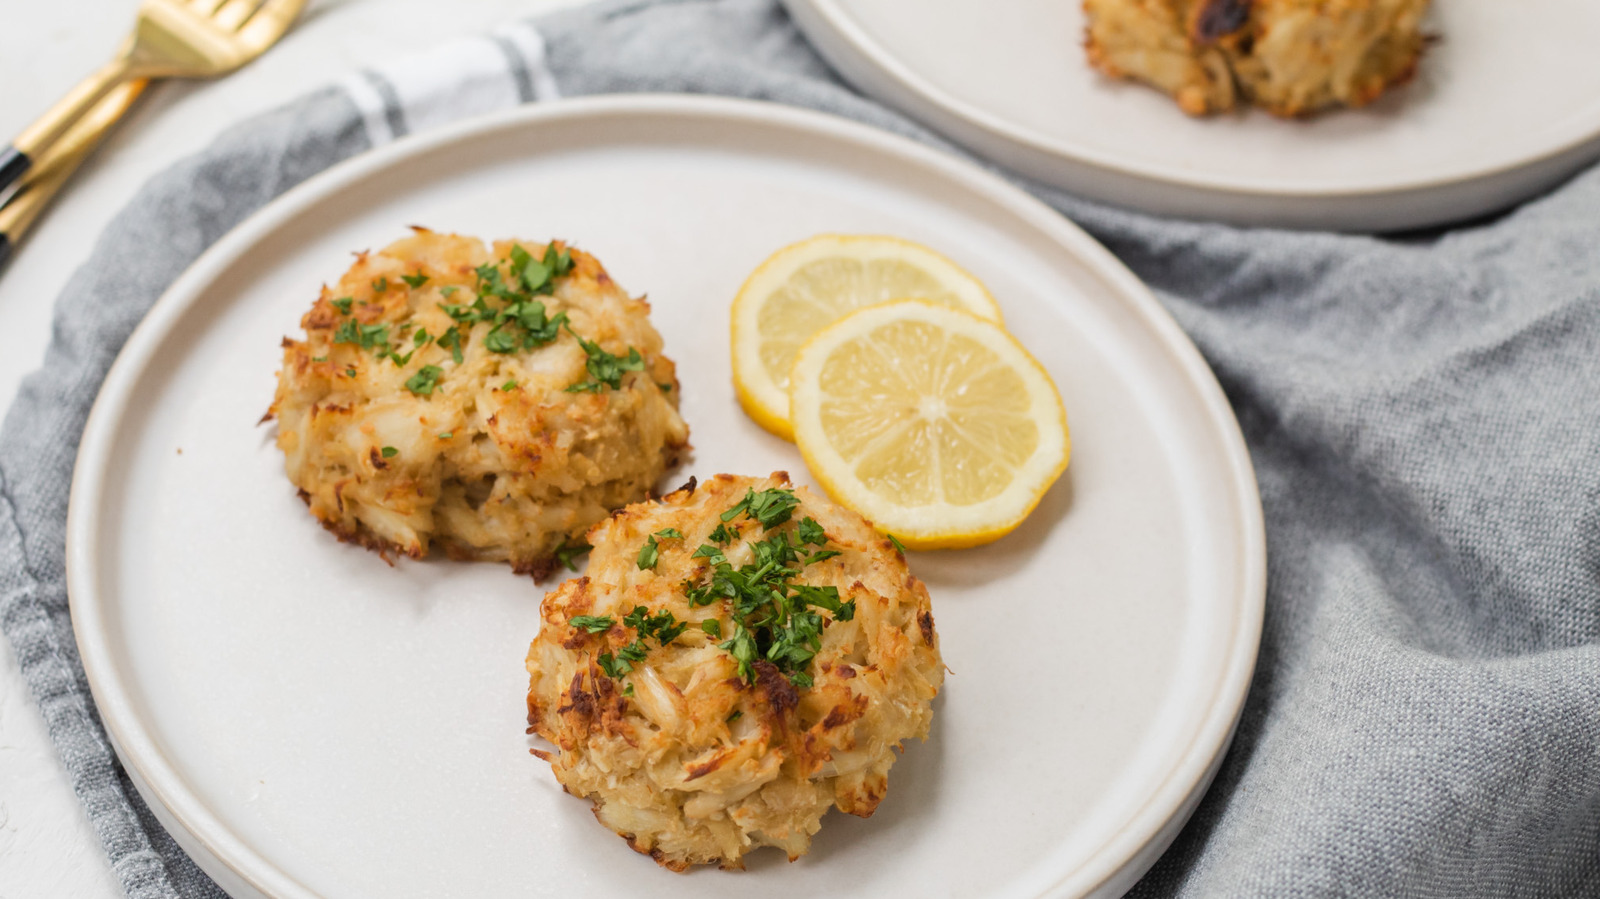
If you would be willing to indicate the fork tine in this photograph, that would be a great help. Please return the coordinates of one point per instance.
(269, 22)
(233, 14)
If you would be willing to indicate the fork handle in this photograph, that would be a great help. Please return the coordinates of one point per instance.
(13, 163)
(55, 165)
(36, 138)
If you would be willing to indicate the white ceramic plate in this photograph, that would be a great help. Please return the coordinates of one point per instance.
(312, 722)
(1506, 104)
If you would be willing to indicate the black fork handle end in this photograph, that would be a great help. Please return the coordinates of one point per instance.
(5, 250)
(13, 163)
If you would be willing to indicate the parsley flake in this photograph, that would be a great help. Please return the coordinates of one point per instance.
(380, 285)
(568, 552)
(594, 624)
(712, 627)
(770, 507)
(508, 386)
(605, 369)
(650, 553)
(365, 336)
(343, 304)
(414, 281)
(897, 544)
(451, 340)
(612, 666)
(390, 452)
(425, 381)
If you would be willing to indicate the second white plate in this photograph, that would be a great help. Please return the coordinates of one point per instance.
(311, 722)
(1506, 104)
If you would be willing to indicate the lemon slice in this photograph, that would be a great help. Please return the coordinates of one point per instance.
(807, 286)
(934, 423)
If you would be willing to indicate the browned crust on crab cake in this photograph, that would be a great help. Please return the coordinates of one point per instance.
(1290, 57)
(499, 461)
(663, 763)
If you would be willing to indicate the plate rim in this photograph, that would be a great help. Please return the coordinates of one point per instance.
(833, 31)
(163, 785)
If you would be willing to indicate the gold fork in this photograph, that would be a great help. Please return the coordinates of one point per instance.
(55, 165)
(172, 39)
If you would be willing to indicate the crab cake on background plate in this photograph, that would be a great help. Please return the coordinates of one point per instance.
(495, 402)
(739, 658)
(1290, 57)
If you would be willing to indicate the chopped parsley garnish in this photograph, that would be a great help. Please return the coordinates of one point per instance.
(665, 388)
(414, 281)
(390, 452)
(567, 553)
(605, 369)
(662, 627)
(446, 435)
(380, 285)
(343, 304)
(421, 337)
(737, 714)
(522, 322)
(712, 627)
(897, 544)
(722, 535)
(365, 336)
(451, 340)
(811, 532)
(447, 291)
(508, 386)
(707, 551)
(650, 553)
(350, 372)
(594, 624)
(319, 358)
(775, 618)
(425, 381)
(612, 667)
(770, 507)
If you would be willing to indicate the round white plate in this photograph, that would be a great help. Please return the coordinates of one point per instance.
(1506, 104)
(312, 722)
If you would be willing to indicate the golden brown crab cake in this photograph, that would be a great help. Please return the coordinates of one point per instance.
(739, 658)
(1289, 57)
(493, 402)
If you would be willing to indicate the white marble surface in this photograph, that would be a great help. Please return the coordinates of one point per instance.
(47, 847)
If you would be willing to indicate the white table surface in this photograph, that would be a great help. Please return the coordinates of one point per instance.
(47, 847)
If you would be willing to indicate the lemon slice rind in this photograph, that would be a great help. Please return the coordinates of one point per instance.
(936, 525)
(766, 399)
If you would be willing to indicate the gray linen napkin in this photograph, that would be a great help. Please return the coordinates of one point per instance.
(1423, 414)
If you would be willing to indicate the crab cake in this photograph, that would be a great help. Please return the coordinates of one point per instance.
(1289, 57)
(739, 658)
(495, 403)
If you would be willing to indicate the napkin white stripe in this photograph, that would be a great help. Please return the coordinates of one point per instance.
(363, 89)
(457, 80)
(529, 44)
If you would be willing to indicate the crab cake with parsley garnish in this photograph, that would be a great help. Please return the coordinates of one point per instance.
(739, 658)
(495, 403)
